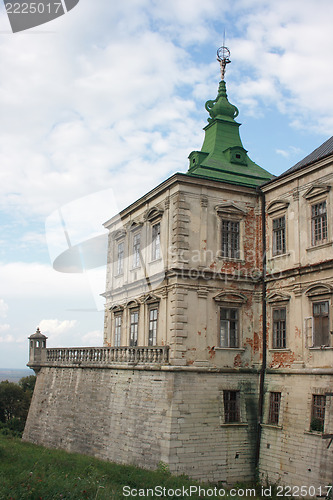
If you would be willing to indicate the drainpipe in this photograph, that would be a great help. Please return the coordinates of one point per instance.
(264, 330)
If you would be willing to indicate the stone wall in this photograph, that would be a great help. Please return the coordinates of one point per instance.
(143, 417)
(291, 454)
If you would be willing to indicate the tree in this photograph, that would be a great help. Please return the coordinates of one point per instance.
(15, 402)
(28, 383)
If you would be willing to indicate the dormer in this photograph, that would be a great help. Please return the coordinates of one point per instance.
(236, 154)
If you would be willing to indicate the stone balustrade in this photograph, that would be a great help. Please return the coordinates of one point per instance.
(107, 355)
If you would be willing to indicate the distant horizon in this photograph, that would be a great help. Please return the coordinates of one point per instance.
(14, 374)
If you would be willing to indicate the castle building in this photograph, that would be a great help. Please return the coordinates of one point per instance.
(217, 356)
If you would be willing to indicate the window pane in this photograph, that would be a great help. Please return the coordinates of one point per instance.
(136, 250)
(134, 321)
(318, 413)
(279, 236)
(117, 330)
(319, 223)
(231, 406)
(274, 408)
(120, 258)
(152, 327)
(228, 327)
(321, 334)
(279, 328)
(230, 239)
(156, 231)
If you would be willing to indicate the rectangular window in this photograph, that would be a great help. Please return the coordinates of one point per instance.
(117, 330)
(279, 236)
(134, 324)
(120, 258)
(318, 413)
(230, 239)
(152, 326)
(156, 241)
(319, 223)
(231, 406)
(279, 328)
(274, 408)
(136, 250)
(228, 327)
(321, 334)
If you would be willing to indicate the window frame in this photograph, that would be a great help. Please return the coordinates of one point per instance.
(229, 320)
(279, 240)
(156, 241)
(117, 329)
(152, 325)
(136, 250)
(314, 304)
(231, 407)
(322, 219)
(317, 422)
(276, 333)
(120, 261)
(274, 408)
(230, 238)
(134, 327)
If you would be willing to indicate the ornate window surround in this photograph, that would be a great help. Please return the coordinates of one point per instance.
(232, 212)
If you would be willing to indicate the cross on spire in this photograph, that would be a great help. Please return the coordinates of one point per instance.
(223, 57)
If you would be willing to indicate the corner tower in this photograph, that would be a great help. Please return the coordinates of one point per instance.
(222, 156)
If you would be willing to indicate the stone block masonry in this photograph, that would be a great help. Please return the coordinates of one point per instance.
(143, 417)
(291, 453)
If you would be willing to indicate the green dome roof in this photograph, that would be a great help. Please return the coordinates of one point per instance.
(222, 156)
(221, 107)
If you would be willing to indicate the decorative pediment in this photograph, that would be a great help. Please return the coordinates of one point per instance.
(230, 296)
(275, 297)
(318, 289)
(277, 206)
(316, 190)
(134, 303)
(154, 214)
(119, 234)
(134, 225)
(150, 298)
(116, 308)
(230, 208)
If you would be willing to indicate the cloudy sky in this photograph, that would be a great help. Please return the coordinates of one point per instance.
(103, 103)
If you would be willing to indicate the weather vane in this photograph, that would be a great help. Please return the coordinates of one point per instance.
(223, 57)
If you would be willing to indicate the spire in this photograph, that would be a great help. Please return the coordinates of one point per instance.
(222, 156)
(221, 107)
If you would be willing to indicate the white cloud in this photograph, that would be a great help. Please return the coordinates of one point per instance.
(56, 327)
(93, 339)
(86, 109)
(4, 327)
(3, 308)
(20, 279)
(8, 339)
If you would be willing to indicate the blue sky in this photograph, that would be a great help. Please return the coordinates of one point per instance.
(101, 104)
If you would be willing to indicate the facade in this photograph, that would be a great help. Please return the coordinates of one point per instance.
(217, 356)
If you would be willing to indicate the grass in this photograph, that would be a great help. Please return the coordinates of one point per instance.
(32, 472)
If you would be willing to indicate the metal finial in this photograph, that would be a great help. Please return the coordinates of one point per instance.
(223, 57)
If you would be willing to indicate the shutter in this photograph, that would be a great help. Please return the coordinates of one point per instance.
(308, 331)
